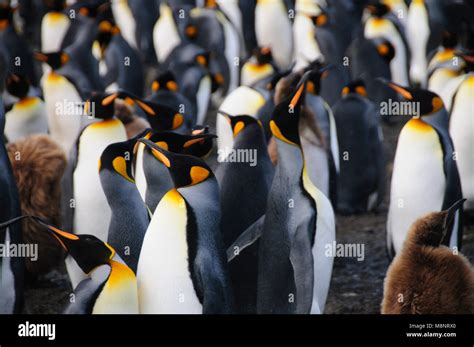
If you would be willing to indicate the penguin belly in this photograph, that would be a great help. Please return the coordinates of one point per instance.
(202, 98)
(439, 79)
(317, 162)
(27, 117)
(449, 90)
(165, 34)
(306, 46)
(325, 235)
(273, 29)
(418, 32)
(164, 280)
(64, 119)
(232, 50)
(252, 73)
(53, 29)
(125, 20)
(7, 282)
(418, 180)
(92, 213)
(461, 128)
(119, 294)
(140, 179)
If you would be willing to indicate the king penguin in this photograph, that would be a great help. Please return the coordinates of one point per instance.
(428, 277)
(28, 114)
(110, 286)
(361, 150)
(12, 268)
(293, 271)
(166, 35)
(152, 179)
(129, 219)
(273, 28)
(425, 175)
(259, 66)
(461, 127)
(249, 183)
(90, 209)
(182, 266)
(54, 26)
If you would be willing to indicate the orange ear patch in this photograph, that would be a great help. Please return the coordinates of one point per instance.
(198, 174)
(178, 120)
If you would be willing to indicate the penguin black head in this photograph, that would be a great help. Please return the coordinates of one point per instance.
(277, 76)
(161, 117)
(238, 123)
(87, 250)
(355, 87)
(378, 10)
(17, 85)
(91, 9)
(165, 81)
(263, 55)
(431, 229)
(428, 101)
(56, 59)
(198, 144)
(449, 40)
(54, 5)
(317, 71)
(384, 48)
(320, 20)
(106, 30)
(118, 158)
(6, 15)
(101, 105)
(285, 121)
(185, 170)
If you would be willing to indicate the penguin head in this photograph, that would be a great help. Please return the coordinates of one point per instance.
(55, 59)
(277, 76)
(449, 40)
(106, 30)
(165, 81)
(100, 105)
(431, 229)
(378, 10)
(240, 122)
(317, 71)
(321, 19)
(118, 158)
(87, 250)
(185, 170)
(160, 116)
(355, 87)
(384, 48)
(263, 55)
(198, 144)
(6, 15)
(428, 101)
(284, 124)
(17, 85)
(54, 5)
(92, 9)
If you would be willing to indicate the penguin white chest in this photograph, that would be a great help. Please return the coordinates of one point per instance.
(64, 110)
(53, 29)
(461, 128)
(418, 180)
(273, 28)
(27, 117)
(202, 97)
(164, 279)
(92, 214)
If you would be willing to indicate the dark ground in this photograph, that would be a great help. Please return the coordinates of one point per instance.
(356, 287)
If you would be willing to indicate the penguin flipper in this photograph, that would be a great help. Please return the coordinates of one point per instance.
(246, 238)
(87, 292)
(302, 262)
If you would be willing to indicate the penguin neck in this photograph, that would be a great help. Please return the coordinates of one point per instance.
(251, 137)
(290, 160)
(121, 194)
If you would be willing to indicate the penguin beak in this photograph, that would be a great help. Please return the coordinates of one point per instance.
(41, 57)
(451, 213)
(157, 151)
(199, 138)
(63, 237)
(399, 89)
(145, 106)
(299, 93)
(109, 99)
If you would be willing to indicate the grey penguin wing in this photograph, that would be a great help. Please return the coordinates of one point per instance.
(246, 238)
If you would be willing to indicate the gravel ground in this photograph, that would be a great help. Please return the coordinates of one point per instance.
(356, 286)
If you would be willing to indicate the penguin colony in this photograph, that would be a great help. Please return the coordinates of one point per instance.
(113, 114)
